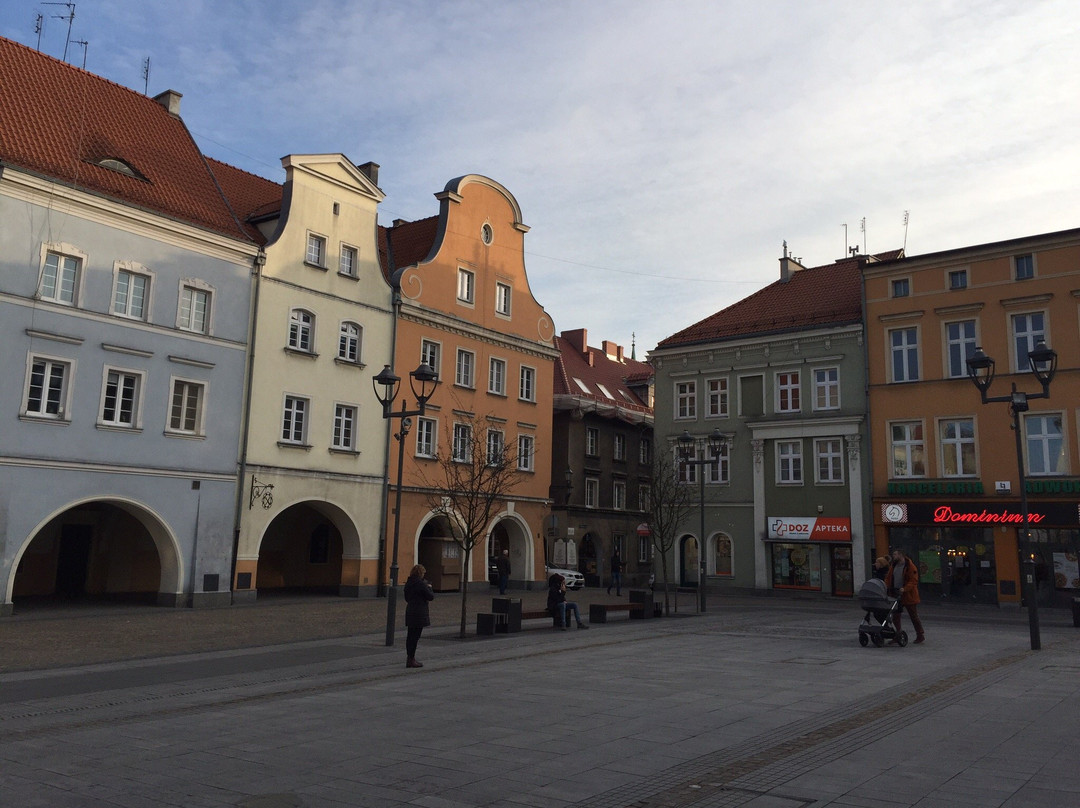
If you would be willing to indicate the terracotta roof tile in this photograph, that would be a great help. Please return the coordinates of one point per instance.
(816, 296)
(410, 242)
(250, 195)
(602, 370)
(58, 121)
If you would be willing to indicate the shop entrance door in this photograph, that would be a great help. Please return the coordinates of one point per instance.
(968, 571)
(843, 583)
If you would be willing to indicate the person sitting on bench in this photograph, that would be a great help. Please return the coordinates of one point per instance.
(558, 605)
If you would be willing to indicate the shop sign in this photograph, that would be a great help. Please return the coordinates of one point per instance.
(643, 530)
(970, 488)
(1055, 486)
(989, 514)
(809, 528)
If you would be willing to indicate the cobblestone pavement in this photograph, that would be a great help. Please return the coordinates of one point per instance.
(760, 702)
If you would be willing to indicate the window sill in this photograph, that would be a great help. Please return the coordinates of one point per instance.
(169, 433)
(316, 266)
(44, 419)
(297, 352)
(337, 450)
(349, 363)
(496, 393)
(283, 444)
(135, 430)
(348, 276)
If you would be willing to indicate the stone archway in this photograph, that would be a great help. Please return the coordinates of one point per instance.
(508, 533)
(440, 555)
(99, 550)
(302, 550)
(689, 564)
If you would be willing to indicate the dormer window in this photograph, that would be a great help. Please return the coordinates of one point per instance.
(121, 167)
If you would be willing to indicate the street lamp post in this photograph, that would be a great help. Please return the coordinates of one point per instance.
(1043, 362)
(389, 382)
(688, 447)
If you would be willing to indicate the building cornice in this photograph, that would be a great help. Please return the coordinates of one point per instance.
(411, 312)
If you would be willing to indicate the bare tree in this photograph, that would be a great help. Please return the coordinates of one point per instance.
(669, 507)
(470, 486)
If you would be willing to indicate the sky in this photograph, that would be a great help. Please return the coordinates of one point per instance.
(661, 152)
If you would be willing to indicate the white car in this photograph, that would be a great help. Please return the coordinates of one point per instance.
(574, 580)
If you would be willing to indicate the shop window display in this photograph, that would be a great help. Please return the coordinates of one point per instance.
(796, 566)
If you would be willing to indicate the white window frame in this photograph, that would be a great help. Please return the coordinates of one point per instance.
(1030, 337)
(465, 369)
(495, 447)
(909, 446)
(350, 342)
(1016, 266)
(348, 261)
(618, 495)
(192, 290)
(1044, 443)
(618, 447)
(315, 251)
(956, 279)
(63, 253)
(200, 407)
(138, 379)
(686, 400)
(129, 271)
(503, 298)
(789, 465)
(592, 492)
(497, 376)
(788, 385)
(952, 446)
(346, 419)
(302, 330)
(527, 384)
(831, 452)
(466, 286)
(826, 388)
(431, 354)
(644, 543)
(718, 472)
(959, 347)
(905, 351)
(462, 443)
(685, 473)
(592, 441)
(427, 437)
(526, 454)
(295, 418)
(896, 283)
(717, 397)
(60, 403)
(645, 452)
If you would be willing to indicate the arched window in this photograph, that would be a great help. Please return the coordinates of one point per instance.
(349, 342)
(722, 555)
(301, 329)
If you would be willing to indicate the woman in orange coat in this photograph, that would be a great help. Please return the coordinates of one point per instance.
(903, 580)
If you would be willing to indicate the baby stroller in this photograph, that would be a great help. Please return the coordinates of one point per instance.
(878, 626)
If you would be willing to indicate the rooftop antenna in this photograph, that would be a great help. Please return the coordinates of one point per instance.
(85, 46)
(846, 250)
(907, 216)
(862, 226)
(146, 75)
(70, 19)
(38, 24)
(633, 346)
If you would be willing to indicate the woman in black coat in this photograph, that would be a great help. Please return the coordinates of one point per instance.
(417, 595)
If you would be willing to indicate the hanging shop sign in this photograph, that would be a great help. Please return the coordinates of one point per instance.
(808, 528)
(990, 514)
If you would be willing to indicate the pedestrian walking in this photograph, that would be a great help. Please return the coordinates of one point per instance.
(418, 594)
(616, 574)
(502, 563)
(903, 580)
(559, 606)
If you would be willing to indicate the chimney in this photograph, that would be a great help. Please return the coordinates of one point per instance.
(371, 171)
(619, 354)
(612, 350)
(399, 222)
(788, 266)
(170, 99)
(578, 339)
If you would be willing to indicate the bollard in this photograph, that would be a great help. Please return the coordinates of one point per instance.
(1076, 612)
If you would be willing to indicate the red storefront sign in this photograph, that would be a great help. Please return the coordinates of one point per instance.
(946, 515)
(809, 528)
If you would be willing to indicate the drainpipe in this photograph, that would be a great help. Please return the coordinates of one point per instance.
(256, 271)
(867, 457)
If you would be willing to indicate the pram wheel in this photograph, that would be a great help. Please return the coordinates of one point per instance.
(903, 639)
(864, 640)
(878, 641)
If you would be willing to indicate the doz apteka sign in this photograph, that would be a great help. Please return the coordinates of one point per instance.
(809, 528)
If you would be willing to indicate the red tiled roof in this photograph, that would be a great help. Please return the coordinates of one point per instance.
(410, 242)
(817, 296)
(611, 373)
(250, 195)
(59, 121)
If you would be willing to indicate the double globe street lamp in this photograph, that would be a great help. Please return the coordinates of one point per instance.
(1043, 363)
(714, 444)
(389, 383)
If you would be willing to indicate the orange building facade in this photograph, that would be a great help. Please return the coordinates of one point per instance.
(946, 484)
(465, 308)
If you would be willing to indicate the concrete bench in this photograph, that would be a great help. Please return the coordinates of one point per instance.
(598, 612)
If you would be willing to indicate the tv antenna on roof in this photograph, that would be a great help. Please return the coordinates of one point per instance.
(85, 46)
(70, 19)
(146, 75)
(39, 19)
(907, 216)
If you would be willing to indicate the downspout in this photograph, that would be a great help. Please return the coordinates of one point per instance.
(253, 320)
(395, 300)
(869, 460)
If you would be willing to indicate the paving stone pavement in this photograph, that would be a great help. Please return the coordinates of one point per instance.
(760, 702)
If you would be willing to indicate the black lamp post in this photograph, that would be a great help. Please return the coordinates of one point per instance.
(1043, 362)
(688, 449)
(389, 382)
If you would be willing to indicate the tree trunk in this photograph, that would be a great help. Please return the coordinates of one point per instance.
(667, 599)
(465, 588)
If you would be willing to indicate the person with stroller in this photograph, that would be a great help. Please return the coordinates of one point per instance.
(559, 606)
(903, 580)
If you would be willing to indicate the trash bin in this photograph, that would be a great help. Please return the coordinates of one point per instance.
(511, 607)
(645, 598)
(1076, 612)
